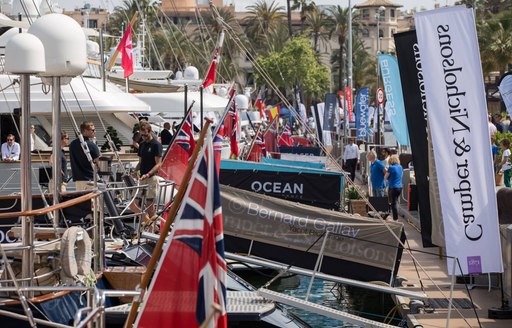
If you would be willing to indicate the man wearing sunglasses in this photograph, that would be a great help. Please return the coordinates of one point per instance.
(150, 159)
(10, 149)
(81, 168)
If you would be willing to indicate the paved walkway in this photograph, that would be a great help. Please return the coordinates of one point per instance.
(484, 293)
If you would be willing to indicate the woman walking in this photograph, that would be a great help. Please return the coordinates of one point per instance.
(394, 177)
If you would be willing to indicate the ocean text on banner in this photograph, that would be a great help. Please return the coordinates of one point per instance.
(457, 115)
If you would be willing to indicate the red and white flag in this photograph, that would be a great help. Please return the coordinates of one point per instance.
(191, 275)
(232, 130)
(210, 76)
(126, 49)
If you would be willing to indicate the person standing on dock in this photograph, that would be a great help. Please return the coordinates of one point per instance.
(10, 149)
(394, 177)
(377, 172)
(351, 158)
(166, 135)
(81, 168)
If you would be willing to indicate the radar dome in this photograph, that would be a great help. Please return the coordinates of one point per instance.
(242, 102)
(64, 44)
(191, 73)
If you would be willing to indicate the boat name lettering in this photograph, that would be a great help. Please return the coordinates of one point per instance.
(277, 187)
(348, 247)
(4, 236)
(459, 115)
(264, 213)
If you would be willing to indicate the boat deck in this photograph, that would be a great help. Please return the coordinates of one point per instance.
(484, 292)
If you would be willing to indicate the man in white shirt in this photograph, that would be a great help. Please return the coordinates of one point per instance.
(492, 127)
(10, 149)
(351, 158)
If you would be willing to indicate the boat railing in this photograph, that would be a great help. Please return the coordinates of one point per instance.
(96, 312)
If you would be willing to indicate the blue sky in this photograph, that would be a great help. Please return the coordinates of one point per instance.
(240, 4)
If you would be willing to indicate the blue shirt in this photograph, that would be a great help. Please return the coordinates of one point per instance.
(377, 175)
(395, 176)
(495, 150)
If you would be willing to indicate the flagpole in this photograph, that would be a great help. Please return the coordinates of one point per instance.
(116, 53)
(165, 230)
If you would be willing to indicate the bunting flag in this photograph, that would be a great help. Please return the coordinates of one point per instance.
(176, 158)
(126, 49)
(210, 76)
(191, 275)
(273, 112)
(231, 125)
(286, 137)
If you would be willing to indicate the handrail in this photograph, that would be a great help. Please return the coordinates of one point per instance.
(45, 210)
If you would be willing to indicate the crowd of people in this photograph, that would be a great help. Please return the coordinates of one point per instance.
(385, 173)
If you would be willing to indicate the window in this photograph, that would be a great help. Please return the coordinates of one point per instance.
(382, 14)
(381, 33)
(365, 32)
(392, 13)
(93, 23)
(366, 13)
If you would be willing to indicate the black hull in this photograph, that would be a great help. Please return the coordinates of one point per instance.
(330, 265)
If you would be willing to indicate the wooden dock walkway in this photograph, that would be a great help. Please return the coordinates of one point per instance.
(484, 293)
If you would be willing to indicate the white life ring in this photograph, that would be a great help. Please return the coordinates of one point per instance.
(76, 253)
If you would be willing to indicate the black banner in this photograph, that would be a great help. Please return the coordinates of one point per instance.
(320, 190)
(413, 90)
(331, 104)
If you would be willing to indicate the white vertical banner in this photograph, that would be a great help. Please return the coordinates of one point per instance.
(457, 114)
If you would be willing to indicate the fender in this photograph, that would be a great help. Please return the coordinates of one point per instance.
(76, 252)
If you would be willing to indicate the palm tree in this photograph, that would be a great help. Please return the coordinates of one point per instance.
(316, 24)
(305, 6)
(495, 39)
(339, 28)
(261, 21)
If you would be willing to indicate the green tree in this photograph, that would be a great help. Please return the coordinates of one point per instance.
(262, 19)
(305, 7)
(295, 64)
(339, 29)
(495, 40)
(316, 24)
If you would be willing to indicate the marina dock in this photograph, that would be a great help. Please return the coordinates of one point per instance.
(484, 290)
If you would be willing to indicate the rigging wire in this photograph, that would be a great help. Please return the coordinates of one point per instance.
(272, 85)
